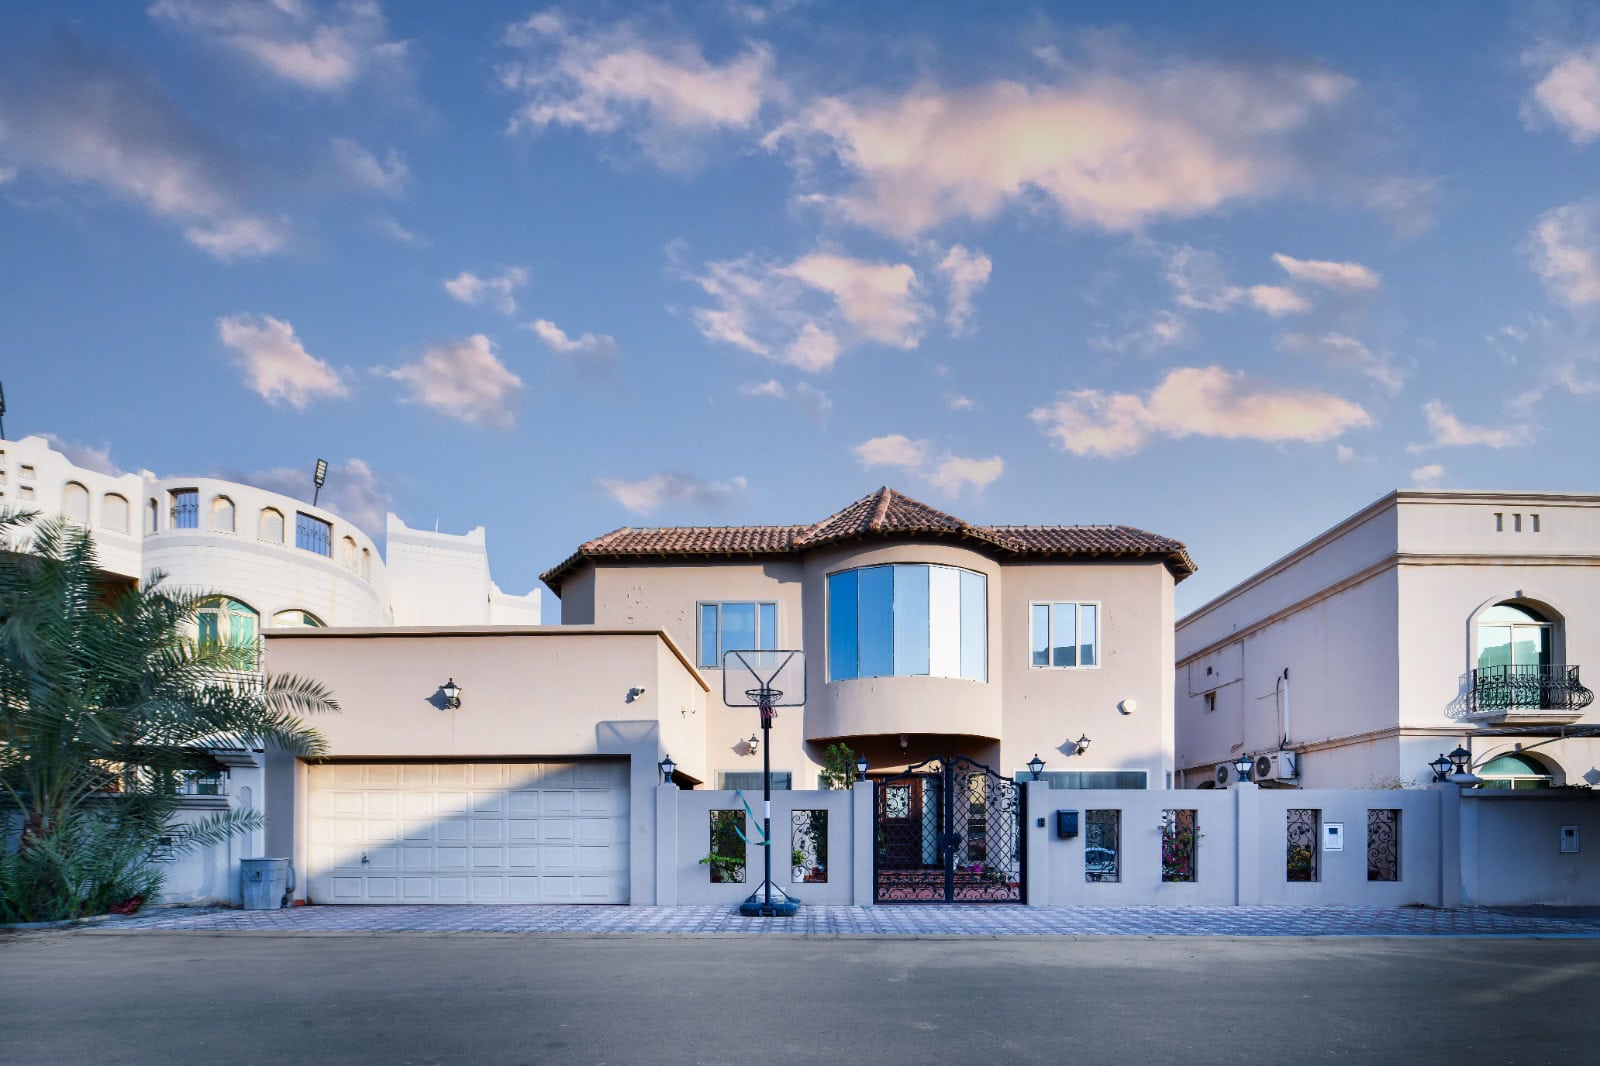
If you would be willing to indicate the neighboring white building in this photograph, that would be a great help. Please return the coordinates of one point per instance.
(1423, 622)
(271, 560)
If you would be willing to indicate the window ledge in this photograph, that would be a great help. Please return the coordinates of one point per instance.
(1524, 716)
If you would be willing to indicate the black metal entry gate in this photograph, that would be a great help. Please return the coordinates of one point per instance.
(949, 830)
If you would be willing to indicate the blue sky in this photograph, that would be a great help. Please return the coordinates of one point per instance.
(1226, 274)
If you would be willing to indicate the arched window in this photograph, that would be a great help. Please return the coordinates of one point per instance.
(152, 517)
(366, 563)
(222, 514)
(1515, 770)
(1511, 635)
(270, 526)
(296, 618)
(114, 512)
(225, 622)
(347, 552)
(75, 502)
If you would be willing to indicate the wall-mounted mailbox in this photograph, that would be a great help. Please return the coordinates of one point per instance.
(1333, 836)
(1569, 840)
(1066, 824)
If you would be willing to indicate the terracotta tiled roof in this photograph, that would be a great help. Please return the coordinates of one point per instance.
(885, 513)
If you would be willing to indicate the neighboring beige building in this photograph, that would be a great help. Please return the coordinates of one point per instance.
(1423, 622)
(924, 635)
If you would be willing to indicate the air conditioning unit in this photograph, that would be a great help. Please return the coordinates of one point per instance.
(1277, 766)
(1226, 775)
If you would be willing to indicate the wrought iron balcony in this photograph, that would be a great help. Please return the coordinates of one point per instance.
(1537, 689)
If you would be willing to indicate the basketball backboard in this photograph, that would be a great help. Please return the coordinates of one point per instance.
(745, 674)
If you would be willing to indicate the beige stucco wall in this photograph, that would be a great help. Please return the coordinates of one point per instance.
(1004, 721)
(554, 691)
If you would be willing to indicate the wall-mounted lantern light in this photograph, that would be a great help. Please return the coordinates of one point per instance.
(861, 767)
(1036, 766)
(1441, 768)
(752, 745)
(1243, 764)
(1459, 759)
(452, 693)
(1080, 745)
(667, 767)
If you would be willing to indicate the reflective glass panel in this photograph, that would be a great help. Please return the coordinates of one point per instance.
(1088, 634)
(708, 635)
(875, 598)
(738, 627)
(1063, 634)
(974, 627)
(1494, 646)
(843, 641)
(910, 620)
(1530, 645)
(944, 621)
(1040, 630)
(767, 631)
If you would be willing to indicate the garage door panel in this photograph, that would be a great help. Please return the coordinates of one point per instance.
(469, 832)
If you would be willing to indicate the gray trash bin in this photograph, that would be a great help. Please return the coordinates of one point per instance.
(265, 883)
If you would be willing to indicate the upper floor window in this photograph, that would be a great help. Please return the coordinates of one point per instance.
(269, 527)
(313, 534)
(908, 619)
(75, 503)
(299, 618)
(224, 622)
(114, 512)
(222, 514)
(1065, 634)
(726, 627)
(347, 553)
(1513, 636)
(185, 509)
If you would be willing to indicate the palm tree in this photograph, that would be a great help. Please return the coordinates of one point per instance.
(107, 702)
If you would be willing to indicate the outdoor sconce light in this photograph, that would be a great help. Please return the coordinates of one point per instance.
(667, 767)
(1243, 764)
(1459, 760)
(1441, 768)
(905, 742)
(1080, 745)
(752, 745)
(861, 767)
(1036, 765)
(634, 693)
(452, 694)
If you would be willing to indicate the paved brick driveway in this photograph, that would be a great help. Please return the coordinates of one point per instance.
(892, 921)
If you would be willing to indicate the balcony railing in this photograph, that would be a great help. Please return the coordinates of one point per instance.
(1535, 687)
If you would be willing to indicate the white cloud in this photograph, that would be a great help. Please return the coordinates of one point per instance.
(1113, 145)
(323, 49)
(1162, 330)
(388, 176)
(276, 365)
(1406, 203)
(1346, 454)
(1568, 90)
(387, 226)
(1344, 277)
(1565, 251)
(1277, 300)
(955, 401)
(965, 271)
(805, 397)
(1427, 475)
(673, 489)
(499, 290)
(1344, 352)
(86, 456)
(950, 473)
(666, 94)
(94, 118)
(352, 490)
(463, 379)
(1445, 430)
(593, 346)
(1194, 401)
(806, 313)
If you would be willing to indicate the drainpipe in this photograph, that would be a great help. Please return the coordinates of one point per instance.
(1284, 682)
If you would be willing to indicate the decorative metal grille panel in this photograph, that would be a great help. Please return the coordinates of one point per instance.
(1383, 845)
(808, 842)
(949, 830)
(1300, 831)
(1180, 840)
(1102, 846)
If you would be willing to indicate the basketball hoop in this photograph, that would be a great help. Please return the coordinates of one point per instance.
(765, 679)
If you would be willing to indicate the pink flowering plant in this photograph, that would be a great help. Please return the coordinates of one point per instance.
(1180, 841)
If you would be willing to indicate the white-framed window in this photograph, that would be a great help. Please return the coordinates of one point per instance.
(731, 626)
(908, 620)
(750, 780)
(1064, 636)
(225, 622)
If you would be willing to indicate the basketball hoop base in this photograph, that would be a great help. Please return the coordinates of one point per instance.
(779, 905)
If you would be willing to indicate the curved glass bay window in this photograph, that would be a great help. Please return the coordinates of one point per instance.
(908, 619)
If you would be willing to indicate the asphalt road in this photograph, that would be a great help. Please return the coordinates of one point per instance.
(260, 999)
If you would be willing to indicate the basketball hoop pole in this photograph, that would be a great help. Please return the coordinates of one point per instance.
(764, 694)
(766, 791)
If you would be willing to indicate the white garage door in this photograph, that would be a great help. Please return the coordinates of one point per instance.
(534, 832)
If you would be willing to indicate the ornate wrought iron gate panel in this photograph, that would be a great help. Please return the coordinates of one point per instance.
(949, 830)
